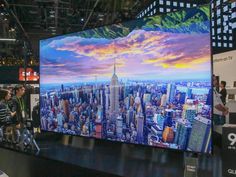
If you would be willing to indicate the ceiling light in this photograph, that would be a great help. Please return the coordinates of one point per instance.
(7, 39)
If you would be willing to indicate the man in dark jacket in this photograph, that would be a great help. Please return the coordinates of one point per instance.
(18, 105)
(223, 92)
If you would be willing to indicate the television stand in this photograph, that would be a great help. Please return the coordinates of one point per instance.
(190, 165)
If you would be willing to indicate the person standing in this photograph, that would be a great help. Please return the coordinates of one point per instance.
(18, 105)
(223, 92)
(220, 111)
(5, 113)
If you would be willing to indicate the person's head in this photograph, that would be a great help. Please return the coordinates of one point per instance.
(222, 84)
(20, 90)
(5, 94)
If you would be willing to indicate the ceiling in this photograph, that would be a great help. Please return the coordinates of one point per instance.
(32, 20)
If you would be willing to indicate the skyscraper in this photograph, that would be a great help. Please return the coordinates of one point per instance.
(182, 133)
(99, 114)
(130, 116)
(160, 121)
(171, 93)
(119, 127)
(146, 98)
(107, 97)
(140, 123)
(114, 92)
(190, 114)
(182, 97)
(98, 130)
(189, 93)
(200, 136)
(65, 105)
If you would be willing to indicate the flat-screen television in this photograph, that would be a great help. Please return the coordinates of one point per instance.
(146, 81)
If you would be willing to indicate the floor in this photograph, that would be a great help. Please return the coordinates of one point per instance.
(107, 158)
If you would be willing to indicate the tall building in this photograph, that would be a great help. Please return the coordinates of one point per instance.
(189, 93)
(163, 100)
(182, 98)
(114, 92)
(146, 97)
(99, 117)
(200, 136)
(62, 87)
(190, 114)
(140, 125)
(171, 88)
(137, 101)
(182, 133)
(101, 97)
(126, 102)
(65, 106)
(107, 94)
(119, 127)
(98, 130)
(160, 120)
(129, 116)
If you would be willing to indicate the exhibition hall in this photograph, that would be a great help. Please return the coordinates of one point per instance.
(117, 88)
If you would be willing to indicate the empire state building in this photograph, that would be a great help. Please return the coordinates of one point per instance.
(114, 92)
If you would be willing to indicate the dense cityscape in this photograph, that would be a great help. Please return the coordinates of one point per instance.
(164, 114)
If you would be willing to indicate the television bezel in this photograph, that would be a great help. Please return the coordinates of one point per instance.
(136, 144)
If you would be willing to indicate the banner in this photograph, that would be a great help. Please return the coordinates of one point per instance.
(224, 67)
(229, 151)
(31, 75)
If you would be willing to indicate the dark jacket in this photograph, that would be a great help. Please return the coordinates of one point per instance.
(5, 114)
(16, 107)
(223, 94)
(35, 116)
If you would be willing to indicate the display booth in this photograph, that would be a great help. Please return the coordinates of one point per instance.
(224, 67)
(130, 99)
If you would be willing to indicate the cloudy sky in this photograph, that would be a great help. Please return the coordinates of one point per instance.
(140, 55)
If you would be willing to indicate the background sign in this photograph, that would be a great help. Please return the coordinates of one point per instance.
(31, 75)
(229, 151)
(224, 66)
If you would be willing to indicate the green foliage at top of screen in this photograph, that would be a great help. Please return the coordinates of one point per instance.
(194, 20)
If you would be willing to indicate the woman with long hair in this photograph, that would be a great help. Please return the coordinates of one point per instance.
(5, 114)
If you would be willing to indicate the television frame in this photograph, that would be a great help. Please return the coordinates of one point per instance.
(146, 145)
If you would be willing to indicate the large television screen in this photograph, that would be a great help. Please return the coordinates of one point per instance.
(145, 82)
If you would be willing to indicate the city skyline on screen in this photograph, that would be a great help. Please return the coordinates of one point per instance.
(145, 82)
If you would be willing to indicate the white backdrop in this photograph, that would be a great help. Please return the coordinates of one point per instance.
(224, 65)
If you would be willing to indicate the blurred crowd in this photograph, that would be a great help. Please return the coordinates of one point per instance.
(12, 112)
